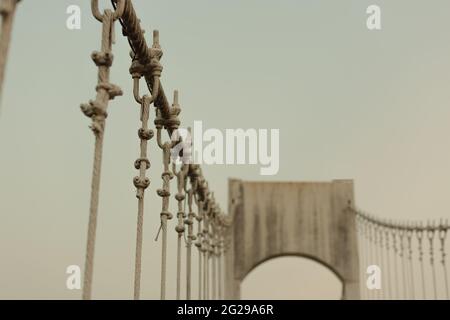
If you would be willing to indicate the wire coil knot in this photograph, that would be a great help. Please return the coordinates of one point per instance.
(102, 59)
(141, 183)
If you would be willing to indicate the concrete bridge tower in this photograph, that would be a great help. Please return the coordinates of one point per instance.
(308, 219)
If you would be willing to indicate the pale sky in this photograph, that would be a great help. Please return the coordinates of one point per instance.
(350, 103)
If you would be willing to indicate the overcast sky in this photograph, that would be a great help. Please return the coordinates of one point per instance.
(371, 106)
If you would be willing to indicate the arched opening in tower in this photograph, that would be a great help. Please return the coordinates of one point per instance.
(291, 277)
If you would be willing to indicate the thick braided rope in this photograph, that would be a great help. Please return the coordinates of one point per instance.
(190, 225)
(395, 247)
(385, 292)
(165, 215)
(200, 275)
(205, 248)
(369, 253)
(180, 196)
(204, 251)
(213, 250)
(442, 238)
(189, 221)
(409, 235)
(205, 275)
(217, 263)
(198, 244)
(132, 30)
(360, 254)
(171, 124)
(178, 288)
(377, 254)
(214, 277)
(403, 265)
(220, 296)
(220, 253)
(96, 110)
(141, 183)
(164, 256)
(388, 260)
(92, 224)
(430, 236)
(7, 12)
(419, 235)
(364, 255)
(138, 255)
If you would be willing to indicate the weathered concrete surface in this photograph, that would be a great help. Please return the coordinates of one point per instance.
(309, 219)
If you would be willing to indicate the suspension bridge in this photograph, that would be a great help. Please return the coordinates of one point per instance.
(264, 220)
